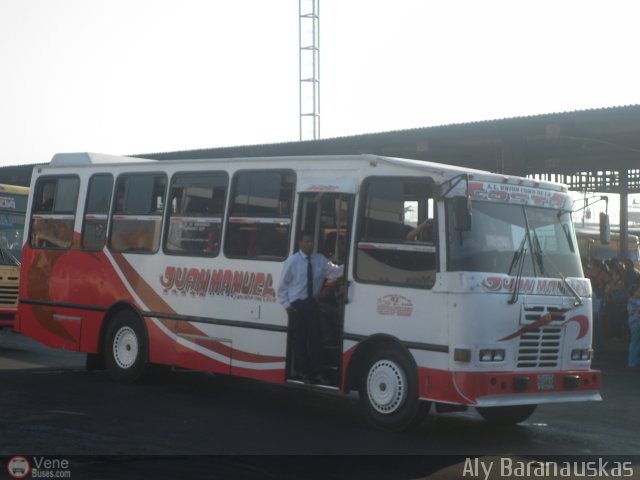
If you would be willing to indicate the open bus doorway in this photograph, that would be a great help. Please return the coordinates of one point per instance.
(327, 215)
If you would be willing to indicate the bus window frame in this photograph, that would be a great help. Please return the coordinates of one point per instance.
(113, 214)
(52, 214)
(257, 220)
(402, 244)
(168, 215)
(107, 214)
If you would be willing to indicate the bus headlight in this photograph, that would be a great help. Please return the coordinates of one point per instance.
(492, 355)
(581, 354)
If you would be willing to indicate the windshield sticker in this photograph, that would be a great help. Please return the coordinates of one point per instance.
(532, 286)
(501, 192)
(395, 305)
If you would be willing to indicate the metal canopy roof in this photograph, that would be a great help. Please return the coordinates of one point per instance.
(590, 150)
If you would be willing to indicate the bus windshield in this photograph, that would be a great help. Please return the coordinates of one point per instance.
(501, 235)
(13, 207)
(11, 231)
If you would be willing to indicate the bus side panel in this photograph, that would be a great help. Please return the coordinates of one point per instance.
(162, 343)
(252, 356)
(54, 326)
(43, 324)
(204, 347)
(65, 295)
(90, 332)
(228, 320)
(408, 314)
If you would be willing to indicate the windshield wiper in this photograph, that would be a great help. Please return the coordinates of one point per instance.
(565, 228)
(517, 254)
(574, 294)
(518, 260)
(537, 252)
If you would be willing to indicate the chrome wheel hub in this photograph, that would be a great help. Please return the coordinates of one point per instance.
(125, 347)
(386, 386)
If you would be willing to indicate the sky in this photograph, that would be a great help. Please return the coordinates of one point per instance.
(143, 76)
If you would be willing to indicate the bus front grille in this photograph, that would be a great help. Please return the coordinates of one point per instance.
(8, 295)
(539, 347)
(548, 314)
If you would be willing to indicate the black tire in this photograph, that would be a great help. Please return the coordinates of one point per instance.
(506, 415)
(126, 349)
(94, 361)
(389, 391)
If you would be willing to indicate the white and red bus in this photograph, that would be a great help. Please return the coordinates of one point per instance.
(13, 209)
(146, 265)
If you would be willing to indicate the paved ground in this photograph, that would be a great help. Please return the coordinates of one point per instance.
(50, 405)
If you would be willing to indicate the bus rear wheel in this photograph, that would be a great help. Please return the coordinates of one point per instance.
(389, 392)
(506, 415)
(126, 347)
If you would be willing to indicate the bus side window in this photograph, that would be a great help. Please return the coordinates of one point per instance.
(259, 222)
(195, 218)
(136, 220)
(96, 214)
(54, 212)
(392, 245)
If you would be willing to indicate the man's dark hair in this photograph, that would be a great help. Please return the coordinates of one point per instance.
(304, 233)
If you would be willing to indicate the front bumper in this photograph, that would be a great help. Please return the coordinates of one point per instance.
(488, 389)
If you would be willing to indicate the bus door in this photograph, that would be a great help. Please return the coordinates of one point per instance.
(328, 216)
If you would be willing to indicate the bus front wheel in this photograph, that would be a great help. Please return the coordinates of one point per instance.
(389, 392)
(506, 415)
(126, 347)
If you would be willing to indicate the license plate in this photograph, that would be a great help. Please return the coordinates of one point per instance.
(545, 381)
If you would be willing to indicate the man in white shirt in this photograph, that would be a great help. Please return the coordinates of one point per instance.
(303, 276)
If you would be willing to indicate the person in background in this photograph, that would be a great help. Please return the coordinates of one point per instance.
(597, 273)
(614, 304)
(633, 307)
(629, 274)
(303, 275)
(422, 233)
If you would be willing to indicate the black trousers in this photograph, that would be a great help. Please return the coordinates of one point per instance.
(305, 332)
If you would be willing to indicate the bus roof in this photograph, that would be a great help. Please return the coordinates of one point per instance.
(447, 172)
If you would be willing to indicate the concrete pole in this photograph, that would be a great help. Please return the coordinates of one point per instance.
(624, 215)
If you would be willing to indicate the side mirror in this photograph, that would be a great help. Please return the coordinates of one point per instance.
(462, 213)
(605, 230)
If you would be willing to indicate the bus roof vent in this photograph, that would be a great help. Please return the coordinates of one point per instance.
(86, 158)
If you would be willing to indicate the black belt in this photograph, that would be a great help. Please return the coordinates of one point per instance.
(303, 301)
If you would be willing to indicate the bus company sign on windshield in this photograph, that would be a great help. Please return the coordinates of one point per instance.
(531, 286)
(517, 194)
